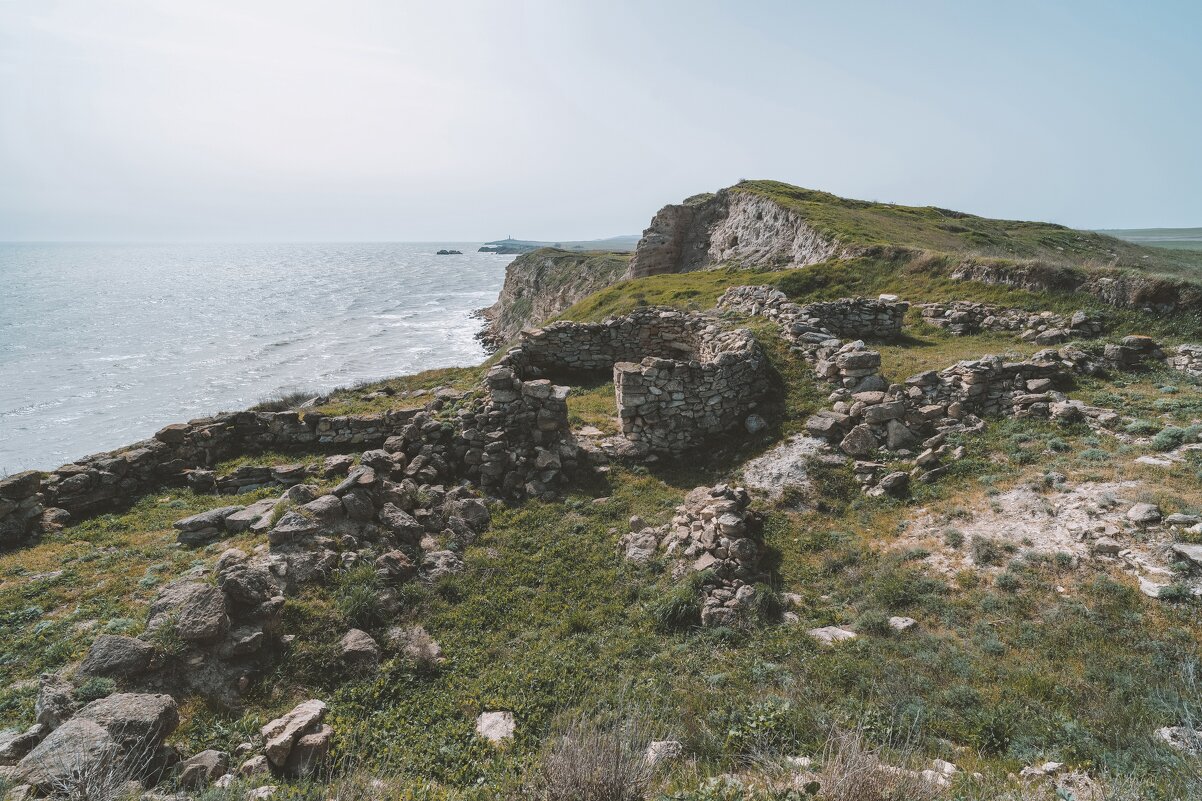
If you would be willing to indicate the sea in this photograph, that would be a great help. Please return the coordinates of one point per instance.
(103, 344)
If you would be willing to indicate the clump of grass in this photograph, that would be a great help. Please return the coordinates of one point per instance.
(592, 761)
(283, 401)
(985, 551)
(355, 596)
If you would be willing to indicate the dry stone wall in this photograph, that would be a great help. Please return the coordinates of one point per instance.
(513, 440)
(1045, 328)
(678, 376)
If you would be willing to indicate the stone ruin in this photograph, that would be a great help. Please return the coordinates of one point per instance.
(715, 533)
(679, 378)
(963, 317)
(511, 438)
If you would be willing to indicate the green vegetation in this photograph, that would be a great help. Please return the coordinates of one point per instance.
(1027, 656)
(888, 226)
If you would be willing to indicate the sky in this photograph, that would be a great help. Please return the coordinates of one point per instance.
(389, 120)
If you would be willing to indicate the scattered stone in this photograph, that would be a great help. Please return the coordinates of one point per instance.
(203, 769)
(663, 751)
(1181, 738)
(829, 635)
(496, 727)
(1144, 513)
(358, 648)
(117, 656)
(282, 733)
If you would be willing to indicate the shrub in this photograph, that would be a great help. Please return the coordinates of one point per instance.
(679, 609)
(1143, 427)
(985, 551)
(852, 771)
(873, 621)
(954, 538)
(1095, 455)
(1007, 582)
(589, 761)
(94, 688)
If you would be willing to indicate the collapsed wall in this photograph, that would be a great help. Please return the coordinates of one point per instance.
(512, 439)
(962, 317)
(678, 377)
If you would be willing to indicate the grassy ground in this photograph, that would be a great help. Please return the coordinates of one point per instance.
(548, 622)
(352, 400)
(871, 224)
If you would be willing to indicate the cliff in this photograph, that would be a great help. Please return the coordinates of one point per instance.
(771, 224)
(541, 284)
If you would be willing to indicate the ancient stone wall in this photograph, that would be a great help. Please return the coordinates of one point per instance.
(678, 376)
(868, 318)
(1188, 359)
(653, 331)
(1045, 328)
(512, 440)
(672, 405)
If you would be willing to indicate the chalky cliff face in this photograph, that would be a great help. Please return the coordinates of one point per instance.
(730, 226)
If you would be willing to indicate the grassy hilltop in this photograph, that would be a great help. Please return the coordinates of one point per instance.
(1021, 656)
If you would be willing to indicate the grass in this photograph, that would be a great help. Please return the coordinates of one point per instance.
(549, 623)
(353, 400)
(886, 226)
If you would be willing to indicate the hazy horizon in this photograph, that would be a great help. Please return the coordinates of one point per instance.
(399, 122)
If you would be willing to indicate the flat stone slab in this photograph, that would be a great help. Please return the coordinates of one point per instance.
(496, 727)
(829, 635)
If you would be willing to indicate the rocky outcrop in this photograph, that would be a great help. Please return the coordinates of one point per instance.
(543, 283)
(1124, 290)
(731, 226)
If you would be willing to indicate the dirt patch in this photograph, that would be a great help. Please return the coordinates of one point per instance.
(1084, 522)
(782, 467)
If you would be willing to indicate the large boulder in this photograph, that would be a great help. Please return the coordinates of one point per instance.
(110, 740)
(196, 612)
(244, 519)
(73, 753)
(133, 719)
(116, 656)
(203, 769)
(55, 701)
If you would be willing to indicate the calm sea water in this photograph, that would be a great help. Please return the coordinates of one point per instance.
(101, 345)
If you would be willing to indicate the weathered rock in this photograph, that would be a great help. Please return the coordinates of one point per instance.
(1144, 513)
(15, 744)
(282, 733)
(55, 702)
(309, 752)
(134, 720)
(860, 441)
(663, 751)
(416, 644)
(496, 727)
(338, 465)
(213, 518)
(195, 611)
(437, 564)
(246, 518)
(116, 656)
(829, 635)
(203, 769)
(358, 648)
(1181, 738)
(77, 749)
(403, 525)
(898, 623)
(395, 566)
(293, 525)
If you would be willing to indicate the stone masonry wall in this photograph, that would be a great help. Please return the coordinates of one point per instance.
(678, 376)
(1045, 328)
(513, 440)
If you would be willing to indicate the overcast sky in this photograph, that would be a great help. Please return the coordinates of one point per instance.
(389, 120)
